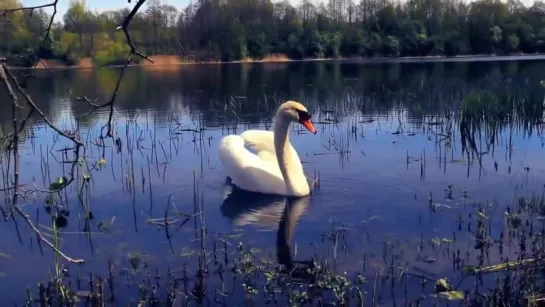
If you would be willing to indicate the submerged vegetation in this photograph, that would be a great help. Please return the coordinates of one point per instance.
(252, 30)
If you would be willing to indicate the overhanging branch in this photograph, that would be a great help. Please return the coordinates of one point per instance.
(12, 86)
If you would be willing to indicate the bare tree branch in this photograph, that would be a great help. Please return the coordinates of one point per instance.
(42, 115)
(10, 82)
(125, 27)
(31, 9)
(5, 12)
(46, 241)
(28, 8)
(15, 200)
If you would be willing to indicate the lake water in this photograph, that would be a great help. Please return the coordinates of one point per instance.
(405, 153)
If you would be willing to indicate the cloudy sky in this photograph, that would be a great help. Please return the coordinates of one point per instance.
(104, 5)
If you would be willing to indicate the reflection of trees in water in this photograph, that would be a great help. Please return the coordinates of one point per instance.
(487, 114)
(252, 91)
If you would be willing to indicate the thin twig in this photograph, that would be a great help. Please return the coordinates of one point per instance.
(15, 205)
(47, 36)
(7, 78)
(125, 27)
(42, 115)
(40, 235)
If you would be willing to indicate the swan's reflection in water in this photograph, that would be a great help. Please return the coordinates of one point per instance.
(269, 211)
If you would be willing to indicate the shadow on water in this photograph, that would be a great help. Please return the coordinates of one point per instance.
(244, 207)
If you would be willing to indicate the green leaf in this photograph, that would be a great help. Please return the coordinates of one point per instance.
(441, 285)
(452, 295)
(58, 184)
(86, 175)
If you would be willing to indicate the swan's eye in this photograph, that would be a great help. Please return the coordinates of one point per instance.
(303, 115)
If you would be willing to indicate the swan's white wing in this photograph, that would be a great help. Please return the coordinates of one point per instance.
(262, 143)
(247, 170)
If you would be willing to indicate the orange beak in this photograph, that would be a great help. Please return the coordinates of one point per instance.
(308, 124)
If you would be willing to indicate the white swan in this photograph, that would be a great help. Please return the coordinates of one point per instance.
(275, 168)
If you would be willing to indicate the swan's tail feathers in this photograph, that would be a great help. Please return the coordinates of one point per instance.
(228, 152)
(315, 183)
(227, 189)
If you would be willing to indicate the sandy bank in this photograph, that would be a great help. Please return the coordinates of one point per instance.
(173, 62)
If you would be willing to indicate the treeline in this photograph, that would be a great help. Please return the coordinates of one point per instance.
(213, 30)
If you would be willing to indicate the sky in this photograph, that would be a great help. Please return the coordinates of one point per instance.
(99, 5)
(105, 5)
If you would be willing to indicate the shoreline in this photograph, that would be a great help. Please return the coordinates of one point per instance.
(361, 60)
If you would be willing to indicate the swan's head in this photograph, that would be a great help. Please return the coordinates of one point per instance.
(296, 112)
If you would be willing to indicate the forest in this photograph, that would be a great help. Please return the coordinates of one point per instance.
(228, 30)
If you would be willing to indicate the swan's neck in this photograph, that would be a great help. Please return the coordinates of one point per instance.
(292, 175)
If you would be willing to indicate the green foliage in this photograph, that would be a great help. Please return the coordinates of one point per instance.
(235, 29)
(391, 46)
(513, 42)
(59, 183)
